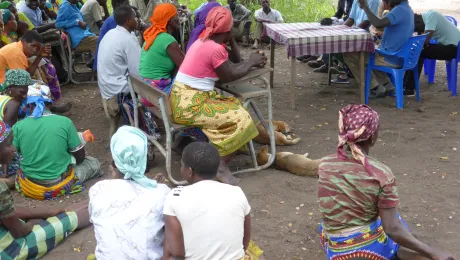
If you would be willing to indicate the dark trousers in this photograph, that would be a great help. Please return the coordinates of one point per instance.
(433, 52)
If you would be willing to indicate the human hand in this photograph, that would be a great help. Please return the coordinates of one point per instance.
(45, 50)
(258, 59)
(441, 255)
(82, 24)
(362, 3)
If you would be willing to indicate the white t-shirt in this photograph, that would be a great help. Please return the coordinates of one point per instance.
(128, 220)
(212, 218)
(274, 15)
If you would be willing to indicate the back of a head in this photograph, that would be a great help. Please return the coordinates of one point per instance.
(122, 14)
(202, 158)
(32, 36)
(119, 3)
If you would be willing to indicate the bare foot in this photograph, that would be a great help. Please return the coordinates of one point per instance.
(225, 176)
(160, 178)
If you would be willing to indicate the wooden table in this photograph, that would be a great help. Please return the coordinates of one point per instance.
(312, 39)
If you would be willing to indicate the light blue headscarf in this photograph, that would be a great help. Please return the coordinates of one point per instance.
(129, 152)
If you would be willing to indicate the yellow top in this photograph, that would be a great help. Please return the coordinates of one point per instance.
(23, 17)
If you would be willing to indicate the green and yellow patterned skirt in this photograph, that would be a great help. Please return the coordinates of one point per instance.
(224, 120)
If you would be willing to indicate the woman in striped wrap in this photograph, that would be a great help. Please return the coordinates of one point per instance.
(358, 198)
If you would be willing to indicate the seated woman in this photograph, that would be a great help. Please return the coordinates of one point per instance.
(14, 92)
(200, 20)
(61, 165)
(358, 198)
(161, 54)
(224, 121)
(45, 227)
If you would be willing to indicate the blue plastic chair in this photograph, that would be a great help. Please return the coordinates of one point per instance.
(410, 53)
(430, 65)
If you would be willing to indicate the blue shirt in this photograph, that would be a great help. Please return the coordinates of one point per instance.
(67, 19)
(35, 16)
(358, 15)
(108, 25)
(444, 32)
(400, 30)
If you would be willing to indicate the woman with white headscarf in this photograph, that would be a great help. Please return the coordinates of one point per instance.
(127, 210)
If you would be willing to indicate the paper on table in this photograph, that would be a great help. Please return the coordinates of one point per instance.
(355, 30)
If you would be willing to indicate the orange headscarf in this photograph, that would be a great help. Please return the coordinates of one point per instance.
(159, 19)
(219, 20)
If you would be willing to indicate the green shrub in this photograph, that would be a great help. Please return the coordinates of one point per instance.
(292, 10)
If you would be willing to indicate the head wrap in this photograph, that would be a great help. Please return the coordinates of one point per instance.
(16, 77)
(200, 20)
(159, 19)
(129, 152)
(38, 94)
(5, 5)
(6, 15)
(357, 123)
(5, 131)
(219, 20)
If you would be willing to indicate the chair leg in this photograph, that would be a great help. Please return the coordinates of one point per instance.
(453, 80)
(367, 88)
(449, 75)
(399, 80)
(416, 82)
(426, 66)
(432, 71)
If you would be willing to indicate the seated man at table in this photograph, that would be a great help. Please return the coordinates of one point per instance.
(265, 15)
(241, 21)
(357, 18)
(70, 19)
(447, 36)
(399, 27)
(93, 14)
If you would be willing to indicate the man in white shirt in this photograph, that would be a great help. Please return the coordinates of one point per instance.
(127, 210)
(118, 55)
(207, 220)
(93, 14)
(265, 15)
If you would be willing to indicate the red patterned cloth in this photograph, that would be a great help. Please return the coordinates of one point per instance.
(357, 123)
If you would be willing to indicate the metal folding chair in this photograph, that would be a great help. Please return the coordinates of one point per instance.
(70, 54)
(245, 92)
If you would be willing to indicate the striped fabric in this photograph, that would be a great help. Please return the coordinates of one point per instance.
(313, 38)
(349, 196)
(43, 238)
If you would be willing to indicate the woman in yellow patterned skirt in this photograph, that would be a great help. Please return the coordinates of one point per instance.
(226, 123)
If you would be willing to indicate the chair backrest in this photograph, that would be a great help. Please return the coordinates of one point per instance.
(451, 19)
(151, 94)
(411, 50)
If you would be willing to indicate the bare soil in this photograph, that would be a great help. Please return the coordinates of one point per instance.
(284, 207)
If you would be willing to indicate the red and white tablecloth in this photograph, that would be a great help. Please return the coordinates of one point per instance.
(313, 38)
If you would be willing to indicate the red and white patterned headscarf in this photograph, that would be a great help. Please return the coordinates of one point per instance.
(357, 123)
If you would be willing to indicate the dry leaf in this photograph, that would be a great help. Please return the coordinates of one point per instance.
(322, 109)
(319, 125)
(290, 225)
(453, 113)
(310, 213)
(77, 249)
(281, 202)
(297, 208)
(418, 225)
(443, 175)
(444, 158)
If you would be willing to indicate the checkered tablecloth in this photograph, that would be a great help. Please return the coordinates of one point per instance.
(313, 38)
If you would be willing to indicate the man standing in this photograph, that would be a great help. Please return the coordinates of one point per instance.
(92, 14)
(145, 7)
(343, 10)
(70, 19)
(399, 27)
(116, 59)
(265, 15)
(241, 21)
(447, 37)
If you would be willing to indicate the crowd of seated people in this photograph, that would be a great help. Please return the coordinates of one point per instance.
(42, 155)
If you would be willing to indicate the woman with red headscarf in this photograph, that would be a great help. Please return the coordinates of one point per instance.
(161, 54)
(224, 121)
(358, 198)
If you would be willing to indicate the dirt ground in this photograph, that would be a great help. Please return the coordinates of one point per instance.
(284, 207)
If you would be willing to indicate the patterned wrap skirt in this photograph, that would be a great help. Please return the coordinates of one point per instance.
(370, 242)
(43, 238)
(224, 120)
